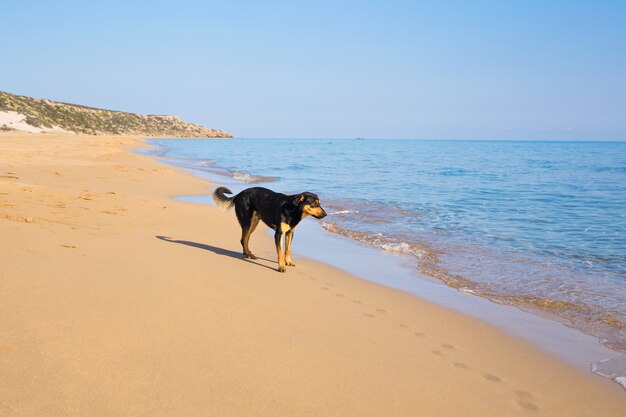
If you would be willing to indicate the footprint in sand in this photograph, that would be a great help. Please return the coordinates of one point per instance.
(524, 400)
(419, 334)
(526, 404)
(436, 352)
(459, 365)
(339, 294)
(447, 346)
(380, 310)
(357, 301)
(404, 325)
(523, 394)
(371, 316)
(324, 288)
(492, 378)
(69, 246)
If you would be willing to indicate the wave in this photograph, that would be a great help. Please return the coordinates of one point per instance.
(252, 179)
(213, 167)
(609, 326)
(236, 175)
(384, 242)
(617, 169)
(344, 212)
(614, 369)
(204, 163)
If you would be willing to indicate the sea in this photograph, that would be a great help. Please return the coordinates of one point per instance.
(538, 225)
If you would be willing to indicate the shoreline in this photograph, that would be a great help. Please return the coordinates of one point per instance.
(117, 299)
(551, 333)
(510, 260)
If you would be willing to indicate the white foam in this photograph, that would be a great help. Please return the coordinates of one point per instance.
(378, 240)
(345, 212)
(241, 176)
(401, 247)
(621, 380)
(204, 163)
(251, 179)
(613, 368)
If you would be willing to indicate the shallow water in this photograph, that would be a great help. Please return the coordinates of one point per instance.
(540, 225)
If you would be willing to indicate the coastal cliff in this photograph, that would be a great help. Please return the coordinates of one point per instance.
(41, 115)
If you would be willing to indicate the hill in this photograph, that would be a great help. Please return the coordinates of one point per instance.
(40, 115)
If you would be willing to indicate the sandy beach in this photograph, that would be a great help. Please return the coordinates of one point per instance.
(116, 300)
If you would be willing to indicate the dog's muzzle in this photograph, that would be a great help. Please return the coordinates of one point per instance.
(321, 216)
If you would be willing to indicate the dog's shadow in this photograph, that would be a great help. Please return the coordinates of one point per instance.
(216, 250)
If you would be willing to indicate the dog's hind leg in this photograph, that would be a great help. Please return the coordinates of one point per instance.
(278, 240)
(248, 221)
(245, 235)
(288, 239)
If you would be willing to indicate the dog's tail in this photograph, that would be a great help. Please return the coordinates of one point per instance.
(219, 196)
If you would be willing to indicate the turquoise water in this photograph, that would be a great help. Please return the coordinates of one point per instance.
(536, 224)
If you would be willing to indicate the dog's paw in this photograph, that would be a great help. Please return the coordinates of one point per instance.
(250, 256)
(288, 263)
(282, 269)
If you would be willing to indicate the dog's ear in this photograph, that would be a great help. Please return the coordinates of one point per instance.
(298, 199)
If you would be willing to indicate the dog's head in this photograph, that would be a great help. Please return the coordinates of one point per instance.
(309, 204)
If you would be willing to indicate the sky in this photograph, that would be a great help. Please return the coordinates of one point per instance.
(531, 70)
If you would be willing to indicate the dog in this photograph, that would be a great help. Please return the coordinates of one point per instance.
(280, 212)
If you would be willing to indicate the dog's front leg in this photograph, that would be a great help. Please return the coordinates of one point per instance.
(278, 240)
(288, 239)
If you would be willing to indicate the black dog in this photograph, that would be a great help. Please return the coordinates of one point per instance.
(280, 212)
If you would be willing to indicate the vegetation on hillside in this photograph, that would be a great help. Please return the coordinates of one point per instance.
(92, 121)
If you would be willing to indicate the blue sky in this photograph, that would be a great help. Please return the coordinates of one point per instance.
(388, 69)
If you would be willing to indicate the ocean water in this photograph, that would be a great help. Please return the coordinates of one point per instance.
(539, 225)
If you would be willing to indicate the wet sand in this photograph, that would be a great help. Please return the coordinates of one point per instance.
(116, 299)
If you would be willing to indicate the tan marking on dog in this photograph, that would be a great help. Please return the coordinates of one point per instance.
(280, 252)
(284, 227)
(317, 211)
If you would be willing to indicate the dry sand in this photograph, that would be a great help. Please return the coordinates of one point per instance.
(116, 300)
(14, 120)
